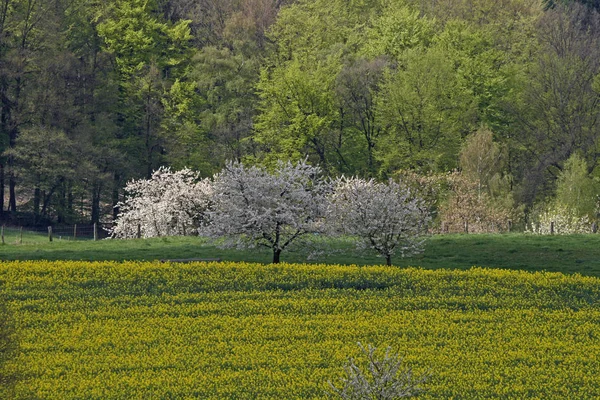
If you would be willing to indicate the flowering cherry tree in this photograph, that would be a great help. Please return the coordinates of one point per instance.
(255, 207)
(167, 204)
(385, 217)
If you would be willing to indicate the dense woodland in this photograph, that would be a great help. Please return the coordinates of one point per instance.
(486, 106)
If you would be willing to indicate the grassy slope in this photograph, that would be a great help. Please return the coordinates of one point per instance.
(568, 254)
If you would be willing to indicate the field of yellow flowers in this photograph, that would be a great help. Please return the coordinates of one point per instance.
(135, 330)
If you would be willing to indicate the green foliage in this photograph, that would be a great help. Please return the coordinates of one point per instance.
(576, 190)
(481, 66)
(298, 109)
(134, 34)
(43, 156)
(225, 83)
(556, 106)
(425, 112)
(136, 85)
(397, 29)
(483, 161)
(575, 204)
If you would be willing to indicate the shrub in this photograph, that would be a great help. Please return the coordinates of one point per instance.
(566, 221)
(384, 379)
(575, 188)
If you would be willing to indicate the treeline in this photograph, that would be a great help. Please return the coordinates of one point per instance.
(94, 93)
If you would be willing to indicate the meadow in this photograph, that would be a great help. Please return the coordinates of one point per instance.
(567, 254)
(246, 329)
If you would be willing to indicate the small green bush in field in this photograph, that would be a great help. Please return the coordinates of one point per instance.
(384, 379)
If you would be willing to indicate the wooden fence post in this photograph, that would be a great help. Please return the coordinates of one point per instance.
(95, 231)
(74, 231)
(139, 231)
(552, 227)
(466, 226)
(50, 233)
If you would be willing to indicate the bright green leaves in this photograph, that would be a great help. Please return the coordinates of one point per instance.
(150, 54)
(481, 67)
(396, 30)
(225, 80)
(298, 109)
(424, 111)
(441, 82)
(136, 36)
(576, 190)
(313, 29)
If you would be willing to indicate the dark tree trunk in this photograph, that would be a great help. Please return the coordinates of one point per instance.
(12, 197)
(115, 196)
(1, 191)
(96, 204)
(62, 204)
(12, 140)
(276, 256)
(4, 117)
(46, 202)
(388, 259)
(36, 205)
(69, 212)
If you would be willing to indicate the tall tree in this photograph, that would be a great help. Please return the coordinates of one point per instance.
(356, 88)
(558, 110)
(298, 111)
(150, 54)
(23, 35)
(426, 113)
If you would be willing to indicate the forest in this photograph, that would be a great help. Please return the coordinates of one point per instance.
(490, 109)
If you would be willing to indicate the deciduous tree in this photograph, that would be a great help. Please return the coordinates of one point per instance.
(167, 204)
(274, 209)
(386, 217)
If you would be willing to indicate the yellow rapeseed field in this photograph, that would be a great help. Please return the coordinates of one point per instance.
(135, 330)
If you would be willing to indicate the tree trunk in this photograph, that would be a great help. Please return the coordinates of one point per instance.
(388, 259)
(1, 191)
(12, 140)
(115, 196)
(70, 211)
(36, 205)
(96, 190)
(276, 256)
(61, 208)
(12, 199)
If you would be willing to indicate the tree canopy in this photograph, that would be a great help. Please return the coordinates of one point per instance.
(95, 94)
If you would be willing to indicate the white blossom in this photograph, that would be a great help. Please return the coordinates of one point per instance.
(255, 207)
(564, 219)
(384, 217)
(384, 379)
(167, 204)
